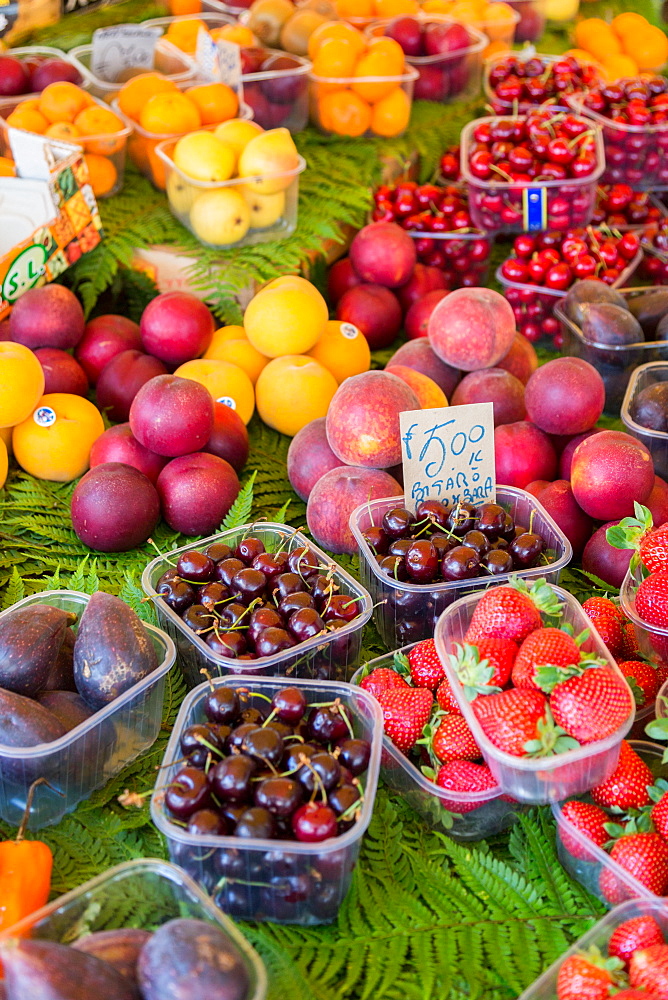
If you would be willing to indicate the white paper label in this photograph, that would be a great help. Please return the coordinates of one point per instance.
(44, 416)
(123, 47)
(206, 56)
(448, 454)
(227, 401)
(229, 64)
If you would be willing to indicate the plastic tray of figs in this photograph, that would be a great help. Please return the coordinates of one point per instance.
(464, 816)
(589, 864)
(251, 878)
(88, 756)
(407, 612)
(334, 656)
(144, 893)
(655, 441)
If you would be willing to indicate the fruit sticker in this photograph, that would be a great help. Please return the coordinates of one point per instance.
(24, 272)
(227, 401)
(44, 416)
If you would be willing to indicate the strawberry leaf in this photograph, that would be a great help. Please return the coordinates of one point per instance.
(473, 673)
(548, 675)
(401, 664)
(638, 693)
(542, 595)
(551, 740)
(657, 729)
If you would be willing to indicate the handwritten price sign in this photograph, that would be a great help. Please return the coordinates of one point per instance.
(448, 454)
(121, 48)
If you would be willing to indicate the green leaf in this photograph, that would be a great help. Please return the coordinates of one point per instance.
(280, 516)
(15, 590)
(657, 729)
(239, 512)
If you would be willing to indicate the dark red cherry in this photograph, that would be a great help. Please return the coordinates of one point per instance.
(271, 563)
(207, 823)
(212, 594)
(232, 644)
(491, 520)
(432, 510)
(498, 561)
(526, 550)
(248, 584)
(280, 795)
(460, 563)
(422, 561)
(288, 583)
(221, 705)
(289, 705)
(355, 755)
(256, 824)
(295, 602)
(188, 791)
(341, 606)
(271, 641)
(327, 724)
(462, 518)
(397, 522)
(249, 549)
(376, 539)
(199, 618)
(226, 569)
(314, 822)
(177, 594)
(230, 779)
(303, 561)
(477, 540)
(195, 566)
(305, 624)
(261, 619)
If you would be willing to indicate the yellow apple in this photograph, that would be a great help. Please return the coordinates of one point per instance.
(220, 217)
(237, 133)
(181, 194)
(268, 161)
(265, 209)
(203, 157)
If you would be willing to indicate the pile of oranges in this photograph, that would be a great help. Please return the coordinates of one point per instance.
(371, 9)
(357, 82)
(65, 111)
(625, 47)
(183, 32)
(496, 19)
(160, 109)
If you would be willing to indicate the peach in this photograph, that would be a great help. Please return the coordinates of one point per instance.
(227, 383)
(55, 441)
(419, 313)
(118, 444)
(21, 383)
(568, 450)
(336, 495)
(172, 416)
(428, 393)
(114, 507)
(292, 391)
(363, 419)
(493, 385)
(417, 354)
(61, 372)
(196, 492)
(342, 350)
(565, 396)
(558, 500)
(523, 453)
(49, 316)
(310, 457)
(229, 437)
(383, 253)
(121, 380)
(176, 327)
(609, 471)
(374, 310)
(472, 328)
(521, 360)
(104, 337)
(604, 561)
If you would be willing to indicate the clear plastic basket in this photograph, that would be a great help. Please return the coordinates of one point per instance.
(322, 89)
(501, 107)
(464, 816)
(143, 893)
(652, 640)
(93, 752)
(259, 864)
(430, 245)
(169, 61)
(333, 657)
(655, 441)
(407, 612)
(544, 779)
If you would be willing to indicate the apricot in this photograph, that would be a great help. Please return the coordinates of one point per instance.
(238, 351)
(227, 383)
(285, 318)
(342, 349)
(55, 441)
(292, 391)
(21, 382)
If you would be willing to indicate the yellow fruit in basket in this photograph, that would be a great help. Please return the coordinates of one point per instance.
(265, 209)
(63, 101)
(616, 67)
(292, 391)
(342, 349)
(648, 47)
(226, 382)
(336, 58)
(587, 29)
(236, 33)
(184, 33)
(604, 44)
(268, 161)
(242, 353)
(220, 216)
(28, 120)
(181, 194)
(392, 8)
(67, 131)
(171, 113)
(285, 318)
(216, 102)
(134, 94)
(561, 10)
(297, 30)
(266, 19)
(623, 23)
(54, 442)
(498, 20)
(237, 133)
(21, 382)
(203, 157)
(336, 29)
(354, 8)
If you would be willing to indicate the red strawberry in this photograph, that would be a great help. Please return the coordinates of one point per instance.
(632, 935)
(645, 857)
(653, 549)
(592, 705)
(464, 776)
(662, 674)
(405, 714)
(632, 994)
(485, 666)
(453, 740)
(446, 699)
(425, 666)
(631, 647)
(659, 811)
(642, 678)
(511, 612)
(626, 788)
(588, 820)
(611, 632)
(382, 679)
(587, 976)
(544, 647)
(649, 968)
(652, 599)
(519, 722)
(595, 607)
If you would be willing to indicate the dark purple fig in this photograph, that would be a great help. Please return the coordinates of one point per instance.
(25, 723)
(190, 958)
(67, 706)
(119, 948)
(112, 652)
(606, 323)
(649, 308)
(650, 407)
(45, 970)
(61, 675)
(589, 290)
(30, 640)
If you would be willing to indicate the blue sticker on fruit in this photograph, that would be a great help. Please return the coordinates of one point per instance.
(534, 208)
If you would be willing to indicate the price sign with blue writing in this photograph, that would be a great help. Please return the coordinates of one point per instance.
(448, 454)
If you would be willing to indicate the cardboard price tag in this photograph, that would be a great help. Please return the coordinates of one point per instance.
(219, 62)
(123, 47)
(448, 454)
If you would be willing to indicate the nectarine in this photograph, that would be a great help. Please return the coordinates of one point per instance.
(310, 457)
(114, 508)
(196, 492)
(336, 495)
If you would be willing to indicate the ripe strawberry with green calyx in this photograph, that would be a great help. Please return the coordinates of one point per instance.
(611, 631)
(639, 533)
(588, 975)
(424, 665)
(652, 602)
(601, 607)
(406, 711)
(633, 935)
(467, 777)
(592, 705)
(642, 855)
(547, 647)
(589, 820)
(385, 678)
(520, 723)
(512, 611)
(648, 968)
(449, 737)
(658, 812)
(627, 786)
(446, 699)
(642, 678)
(485, 667)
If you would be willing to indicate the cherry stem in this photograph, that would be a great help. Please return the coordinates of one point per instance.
(160, 552)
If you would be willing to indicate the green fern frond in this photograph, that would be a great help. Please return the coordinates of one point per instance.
(15, 590)
(240, 511)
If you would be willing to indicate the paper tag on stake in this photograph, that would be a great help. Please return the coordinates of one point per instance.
(448, 454)
(229, 65)
(123, 47)
(206, 57)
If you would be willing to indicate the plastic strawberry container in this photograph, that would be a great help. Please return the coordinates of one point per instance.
(328, 865)
(614, 362)
(169, 61)
(146, 893)
(92, 753)
(655, 441)
(406, 611)
(464, 816)
(597, 871)
(545, 987)
(322, 88)
(652, 640)
(447, 76)
(545, 779)
(331, 657)
(558, 204)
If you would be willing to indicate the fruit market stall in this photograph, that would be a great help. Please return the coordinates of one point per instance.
(430, 782)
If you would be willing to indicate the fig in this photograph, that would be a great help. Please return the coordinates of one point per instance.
(112, 651)
(68, 707)
(589, 290)
(61, 675)
(649, 308)
(650, 407)
(25, 723)
(661, 332)
(607, 323)
(46, 970)
(119, 948)
(30, 640)
(191, 958)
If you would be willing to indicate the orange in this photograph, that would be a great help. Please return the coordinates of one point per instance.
(628, 21)
(170, 114)
(237, 33)
(604, 44)
(495, 48)
(102, 124)
(134, 94)
(335, 58)
(31, 105)
(59, 451)
(31, 121)
(21, 382)
(102, 174)
(391, 114)
(342, 349)
(354, 8)
(616, 67)
(589, 28)
(293, 390)
(392, 54)
(216, 102)
(177, 7)
(391, 8)
(370, 75)
(66, 131)
(7, 167)
(335, 29)
(62, 101)
(184, 33)
(648, 46)
(344, 113)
